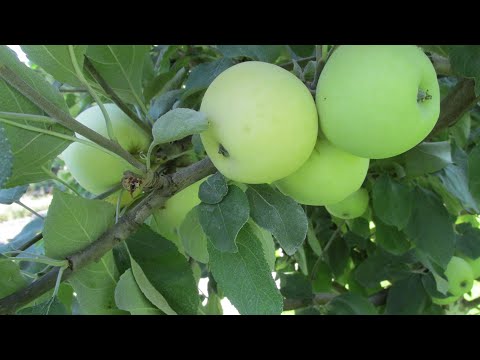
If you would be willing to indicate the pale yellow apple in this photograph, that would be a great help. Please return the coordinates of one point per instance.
(263, 123)
(327, 177)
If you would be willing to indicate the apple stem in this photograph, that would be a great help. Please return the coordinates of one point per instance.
(56, 178)
(79, 73)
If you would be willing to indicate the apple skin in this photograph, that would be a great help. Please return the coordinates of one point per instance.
(264, 117)
(367, 99)
(446, 301)
(167, 220)
(327, 177)
(351, 207)
(475, 265)
(93, 169)
(459, 276)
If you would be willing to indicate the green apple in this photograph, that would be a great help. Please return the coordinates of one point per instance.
(351, 207)
(96, 170)
(446, 301)
(167, 220)
(327, 177)
(378, 101)
(475, 265)
(263, 123)
(459, 276)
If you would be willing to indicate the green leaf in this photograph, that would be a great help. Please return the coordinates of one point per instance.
(338, 255)
(442, 50)
(379, 267)
(436, 271)
(150, 292)
(9, 196)
(460, 132)
(164, 103)
(359, 226)
(267, 242)
(33, 228)
(193, 238)
(31, 150)
(295, 286)
(392, 201)
(454, 179)
(155, 86)
(214, 304)
(73, 223)
(214, 189)
(222, 222)
(11, 279)
(303, 50)
(50, 307)
(313, 240)
(391, 239)
(265, 53)
(6, 158)
(473, 173)
(428, 158)
(279, 214)
(203, 75)
(177, 124)
(407, 297)
(350, 304)
(122, 68)
(468, 242)
(245, 276)
(56, 60)
(465, 62)
(129, 297)
(166, 270)
(431, 228)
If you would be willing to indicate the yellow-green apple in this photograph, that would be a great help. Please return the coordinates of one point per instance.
(327, 177)
(94, 169)
(263, 122)
(351, 207)
(377, 101)
(167, 220)
(460, 280)
(475, 265)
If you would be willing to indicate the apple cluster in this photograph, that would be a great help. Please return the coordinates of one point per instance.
(371, 102)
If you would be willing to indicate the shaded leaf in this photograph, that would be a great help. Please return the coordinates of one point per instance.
(279, 214)
(73, 223)
(6, 158)
(265, 53)
(9, 196)
(193, 238)
(407, 297)
(166, 270)
(431, 228)
(11, 279)
(214, 189)
(351, 304)
(245, 276)
(428, 158)
(222, 222)
(391, 239)
(129, 297)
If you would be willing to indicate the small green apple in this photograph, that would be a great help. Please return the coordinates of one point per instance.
(459, 276)
(378, 101)
(96, 170)
(351, 207)
(446, 301)
(263, 122)
(327, 177)
(167, 220)
(475, 265)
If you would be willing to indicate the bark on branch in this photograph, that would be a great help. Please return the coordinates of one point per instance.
(126, 226)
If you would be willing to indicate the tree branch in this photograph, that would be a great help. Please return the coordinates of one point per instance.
(126, 226)
(111, 93)
(455, 104)
(377, 299)
(64, 118)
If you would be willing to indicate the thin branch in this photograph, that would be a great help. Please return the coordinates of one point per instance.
(111, 93)
(313, 275)
(63, 117)
(460, 99)
(126, 226)
(377, 299)
(18, 202)
(301, 60)
(72, 90)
